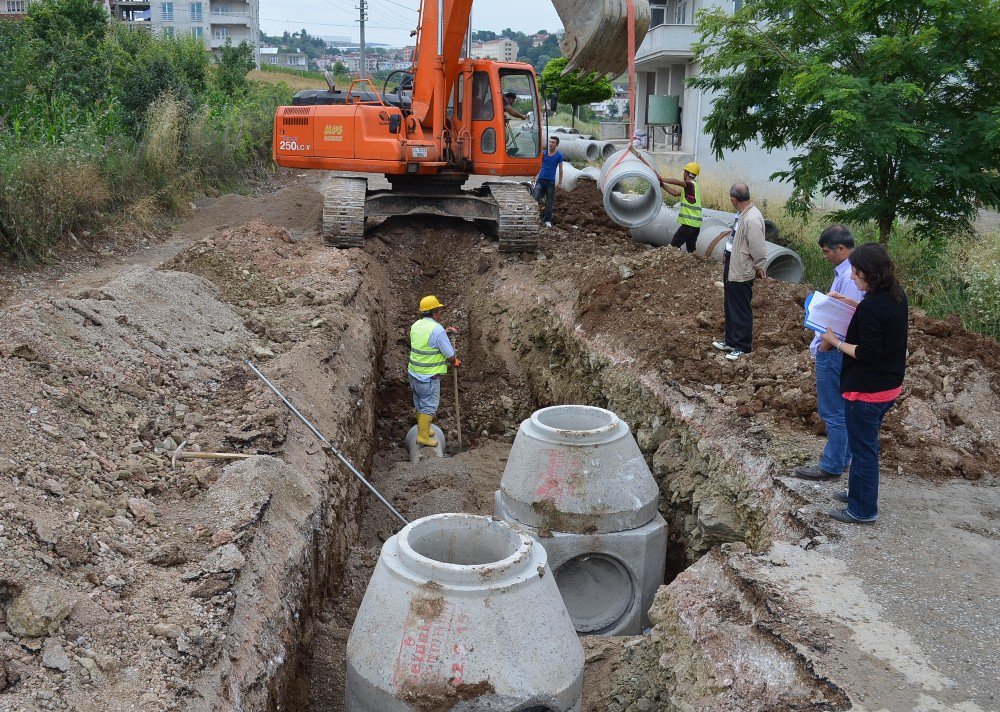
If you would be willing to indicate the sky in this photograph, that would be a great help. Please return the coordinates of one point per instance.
(390, 21)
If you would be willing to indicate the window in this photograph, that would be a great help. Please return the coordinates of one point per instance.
(521, 136)
(198, 32)
(196, 15)
(168, 31)
(683, 12)
(482, 97)
(658, 13)
(16, 6)
(167, 11)
(221, 33)
(737, 4)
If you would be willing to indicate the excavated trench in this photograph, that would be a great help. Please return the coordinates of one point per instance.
(517, 357)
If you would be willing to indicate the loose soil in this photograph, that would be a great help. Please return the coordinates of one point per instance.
(105, 369)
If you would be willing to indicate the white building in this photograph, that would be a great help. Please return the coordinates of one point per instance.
(664, 61)
(501, 49)
(294, 60)
(211, 21)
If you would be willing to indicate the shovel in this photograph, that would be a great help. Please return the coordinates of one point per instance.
(458, 412)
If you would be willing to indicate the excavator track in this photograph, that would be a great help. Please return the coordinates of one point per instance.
(344, 212)
(518, 217)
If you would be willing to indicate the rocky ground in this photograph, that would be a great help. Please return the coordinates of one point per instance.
(128, 583)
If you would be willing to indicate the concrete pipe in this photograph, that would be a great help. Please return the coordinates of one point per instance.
(573, 175)
(579, 150)
(462, 613)
(417, 451)
(780, 263)
(577, 481)
(608, 149)
(624, 170)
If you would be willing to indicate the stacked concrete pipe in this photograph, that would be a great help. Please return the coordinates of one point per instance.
(579, 150)
(781, 263)
(573, 175)
(577, 481)
(463, 613)
(631, 210)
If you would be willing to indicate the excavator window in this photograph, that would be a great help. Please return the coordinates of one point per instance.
(482, 97)
(520, 98)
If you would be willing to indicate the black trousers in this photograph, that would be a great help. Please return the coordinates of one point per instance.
(686, 235)
(739, 314)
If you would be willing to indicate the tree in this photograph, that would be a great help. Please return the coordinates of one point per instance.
(63, 46)
(234, 65)
(613, 110)
(339, 68)
(890, 107)
(575, 88)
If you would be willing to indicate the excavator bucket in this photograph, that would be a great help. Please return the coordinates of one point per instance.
(597, 33)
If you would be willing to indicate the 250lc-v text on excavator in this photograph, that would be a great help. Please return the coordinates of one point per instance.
(443, 121)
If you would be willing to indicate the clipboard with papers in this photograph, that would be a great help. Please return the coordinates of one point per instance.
(823, 311)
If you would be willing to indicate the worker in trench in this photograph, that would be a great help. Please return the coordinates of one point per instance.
(430, 353)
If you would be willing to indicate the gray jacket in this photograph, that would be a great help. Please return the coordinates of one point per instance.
(749, 253)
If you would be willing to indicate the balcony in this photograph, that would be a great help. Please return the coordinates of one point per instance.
(218, 42)
(240, 19)
(665, 42)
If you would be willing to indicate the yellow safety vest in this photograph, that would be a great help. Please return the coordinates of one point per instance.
(424, 360)
(690, 213)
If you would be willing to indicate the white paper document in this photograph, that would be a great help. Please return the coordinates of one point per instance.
(823, 311)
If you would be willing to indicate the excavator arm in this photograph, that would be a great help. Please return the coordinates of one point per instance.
(596, 34)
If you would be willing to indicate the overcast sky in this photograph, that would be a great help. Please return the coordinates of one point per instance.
(390, 21)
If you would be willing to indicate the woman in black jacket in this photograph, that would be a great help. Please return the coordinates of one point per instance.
(872, 375)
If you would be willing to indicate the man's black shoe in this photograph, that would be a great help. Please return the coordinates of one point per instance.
(814, 472)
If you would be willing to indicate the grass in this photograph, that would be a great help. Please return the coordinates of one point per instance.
(292, 81)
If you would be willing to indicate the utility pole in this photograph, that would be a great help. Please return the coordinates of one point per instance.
(363, 7)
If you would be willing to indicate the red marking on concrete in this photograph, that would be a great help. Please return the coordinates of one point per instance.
(432, 652)
(558, 474)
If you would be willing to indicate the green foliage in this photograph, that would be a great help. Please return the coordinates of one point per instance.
(144, 66)
(99, 120)
(575, 88)
(300, 41)
(234, 65)
(309, 74)
(891, 107)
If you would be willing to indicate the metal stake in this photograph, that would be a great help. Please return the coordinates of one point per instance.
(326, 442)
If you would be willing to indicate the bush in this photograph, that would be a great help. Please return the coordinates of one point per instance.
(44, 191)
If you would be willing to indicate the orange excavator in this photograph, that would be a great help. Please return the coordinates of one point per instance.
(445, 119)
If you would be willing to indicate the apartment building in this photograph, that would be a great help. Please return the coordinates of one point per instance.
(213, 22)
(13, 9)
(500, 49)
(664, 61)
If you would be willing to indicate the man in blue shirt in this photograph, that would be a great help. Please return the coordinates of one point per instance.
(430, 353)
(545, 182)
(837, 243)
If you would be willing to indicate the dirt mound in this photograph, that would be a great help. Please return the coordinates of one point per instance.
(664, 307)
(297, 207)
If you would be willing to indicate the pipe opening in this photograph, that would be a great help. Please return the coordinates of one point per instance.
(597, 590)
(463, 540)
(576, 419)
(632, 200)
(785, 267)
